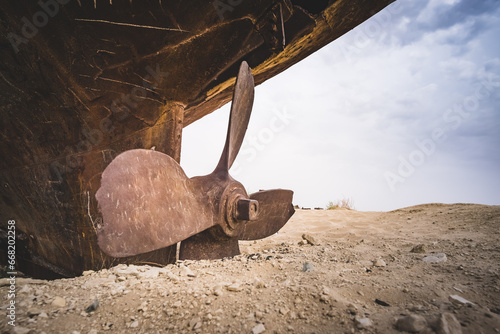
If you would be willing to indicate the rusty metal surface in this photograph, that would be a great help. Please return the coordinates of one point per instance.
(241, 109)
(148, 202)
(275, 209)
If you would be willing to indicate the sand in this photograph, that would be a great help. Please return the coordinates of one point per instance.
(361, 276)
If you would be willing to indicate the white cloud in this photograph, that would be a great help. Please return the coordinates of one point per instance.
(361, 104)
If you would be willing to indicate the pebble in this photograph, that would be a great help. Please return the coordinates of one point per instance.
(20, 330)
(419, 249)
(310, 239)
(258, 329)
(439, 257)
(412, 323)
(187, 272)
(307, 267)
(460, 300)
(363, 322)
(59, 302)
(195, 323)
(448, 324)
(135, 324)
(235, 287)
(379, 263)
(92, 307)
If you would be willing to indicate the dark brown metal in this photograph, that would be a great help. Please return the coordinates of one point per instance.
(147, 203)
(275, 209)
(241, 109)
(247, 209)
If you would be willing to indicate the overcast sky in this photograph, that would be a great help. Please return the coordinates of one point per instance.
(402, 110)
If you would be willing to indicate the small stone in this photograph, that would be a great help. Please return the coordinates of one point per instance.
(379, 263)
(59, 302)
(306, 267)
(92, 307)
(420, 248)
(284, 310)
(187, 272)
(193, 322)
(352, 309)
(310, 239)
(235, 287)
(92, 331)
(363, 322)
(135, 324)
(448, 324)
(460, 300)
(218, 291)
(258, 329)
(259, 284)
(173, 276)
(20, 330)
(412, 323)
(440, 257)
(43, 315)
(88, 272)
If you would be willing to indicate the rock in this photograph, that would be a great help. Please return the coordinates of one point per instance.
(363, 322)
(259, 284)
(59, 302)
(126, 270)
(153, 273)
(460, 300)
(20, 330)
(43, 315)
(258, 329)
(420, 248)
(352, 309)
(92, 307)
(307, 267)
(135, 324)
(235, 287)
(187, 272)
(440, 257)
(379, 263)
(88, 272)
(448, 324)
(173, 276)
(310, 239)
(412, 323)
(194, 323)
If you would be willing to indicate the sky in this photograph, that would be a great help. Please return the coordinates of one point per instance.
(400, 111)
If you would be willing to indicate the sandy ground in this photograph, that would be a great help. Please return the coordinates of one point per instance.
(361, 276)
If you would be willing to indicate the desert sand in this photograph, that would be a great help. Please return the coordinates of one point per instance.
(431, 268)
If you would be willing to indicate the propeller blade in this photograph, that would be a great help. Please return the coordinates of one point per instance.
(275, 209)
(147, 202)
(241, 108)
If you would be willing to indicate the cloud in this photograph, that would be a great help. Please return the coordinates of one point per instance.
(370, 99)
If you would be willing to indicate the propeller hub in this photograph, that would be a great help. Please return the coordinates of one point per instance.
(247, 209)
